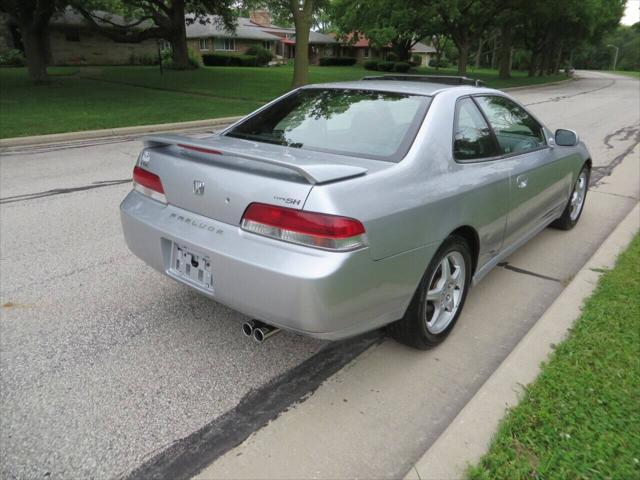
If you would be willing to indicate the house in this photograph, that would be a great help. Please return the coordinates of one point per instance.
(425, 52)
(255, 30)
(361, 50)
(72, 42)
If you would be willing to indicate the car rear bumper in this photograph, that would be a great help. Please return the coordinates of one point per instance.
(319, 293)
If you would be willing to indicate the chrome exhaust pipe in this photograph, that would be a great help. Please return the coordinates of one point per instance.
(261, 333)
(249, 327)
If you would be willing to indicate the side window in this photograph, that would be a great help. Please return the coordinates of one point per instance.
(472, 137)
(515, 129)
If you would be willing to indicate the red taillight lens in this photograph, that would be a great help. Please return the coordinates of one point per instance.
(148, 183)
(307, 228)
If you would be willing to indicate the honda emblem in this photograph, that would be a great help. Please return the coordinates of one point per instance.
(198, 187)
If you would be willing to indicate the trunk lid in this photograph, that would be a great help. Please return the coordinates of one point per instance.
(219, 176)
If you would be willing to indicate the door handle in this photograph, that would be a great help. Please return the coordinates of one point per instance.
(522, 181)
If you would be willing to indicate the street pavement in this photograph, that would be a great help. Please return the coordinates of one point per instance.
(105, 364)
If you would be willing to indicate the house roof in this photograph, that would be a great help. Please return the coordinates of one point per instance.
(214, 28)
(363, 42)
(245, 28)
(70, 18)
(422, 48)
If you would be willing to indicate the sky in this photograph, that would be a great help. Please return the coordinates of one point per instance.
(631, 13)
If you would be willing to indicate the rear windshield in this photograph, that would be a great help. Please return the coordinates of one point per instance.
(363, 123)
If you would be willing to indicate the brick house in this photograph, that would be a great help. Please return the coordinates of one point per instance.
(72, 42)
(256, 30)
(363, 51)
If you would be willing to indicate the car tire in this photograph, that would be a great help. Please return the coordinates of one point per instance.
(573, 210)
(419, 328)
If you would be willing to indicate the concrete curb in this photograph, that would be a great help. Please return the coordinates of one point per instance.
(468, 437)
(539, 85)
(113, 132)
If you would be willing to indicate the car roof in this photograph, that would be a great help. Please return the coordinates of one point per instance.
(402, 86)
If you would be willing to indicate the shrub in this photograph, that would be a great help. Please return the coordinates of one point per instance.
(434, 63)
(416, 60)
(386, 66)
(401, 67)
(12, 57)
(229, 60)
(337, 61)
(143, 59)
(167, 59)
(392, 57)
(263, 56)
(371, 64)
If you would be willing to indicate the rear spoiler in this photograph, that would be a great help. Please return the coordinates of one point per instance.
(311, 170)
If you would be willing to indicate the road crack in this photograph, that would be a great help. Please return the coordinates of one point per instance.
(59, 191)
(563, 97)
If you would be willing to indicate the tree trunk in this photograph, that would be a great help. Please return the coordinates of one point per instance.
(504, 52)
(544, 64)
(556, 67)
(463, 57)
(533, 66)
(180, 53)
(301, 62)
(479, 53)
(35, 50)
(402, 49)
(179, 49)
(494, 52)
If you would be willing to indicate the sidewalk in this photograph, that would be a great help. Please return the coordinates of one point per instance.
(468, 437)
(378, 416)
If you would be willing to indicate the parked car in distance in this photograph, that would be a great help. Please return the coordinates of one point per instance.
(341, 208)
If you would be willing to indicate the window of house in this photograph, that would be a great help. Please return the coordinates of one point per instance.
(367, 52)
(164, 45)
(204, 43)
(472, 137)
(73, 35)
(225, 44)
(328, 51)
(266, 45)
(515, 129)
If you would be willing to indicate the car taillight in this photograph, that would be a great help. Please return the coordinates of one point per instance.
(148, 184)
(312, 229)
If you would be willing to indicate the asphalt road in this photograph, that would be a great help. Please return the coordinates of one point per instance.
(104, 363)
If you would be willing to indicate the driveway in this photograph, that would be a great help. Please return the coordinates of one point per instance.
(107, 366)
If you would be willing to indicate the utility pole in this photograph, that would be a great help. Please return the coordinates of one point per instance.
(615, 56)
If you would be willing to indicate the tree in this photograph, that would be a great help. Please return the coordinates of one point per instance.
(32, 18)
(439, 42)
(303, 15)
(156, 19)
(464, 21)
(386, 22)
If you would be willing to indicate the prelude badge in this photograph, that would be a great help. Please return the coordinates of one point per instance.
(198, 187)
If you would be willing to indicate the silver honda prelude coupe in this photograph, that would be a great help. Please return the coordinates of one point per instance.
(340, 208)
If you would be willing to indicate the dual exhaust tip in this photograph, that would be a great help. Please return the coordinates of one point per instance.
(258, 330)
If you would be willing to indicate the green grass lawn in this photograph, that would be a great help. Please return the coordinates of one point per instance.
(627, 73)
(86, 98)
(581, 418)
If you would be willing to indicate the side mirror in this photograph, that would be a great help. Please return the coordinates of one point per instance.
(566, 138)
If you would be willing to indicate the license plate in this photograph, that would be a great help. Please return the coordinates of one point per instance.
(191, 267)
